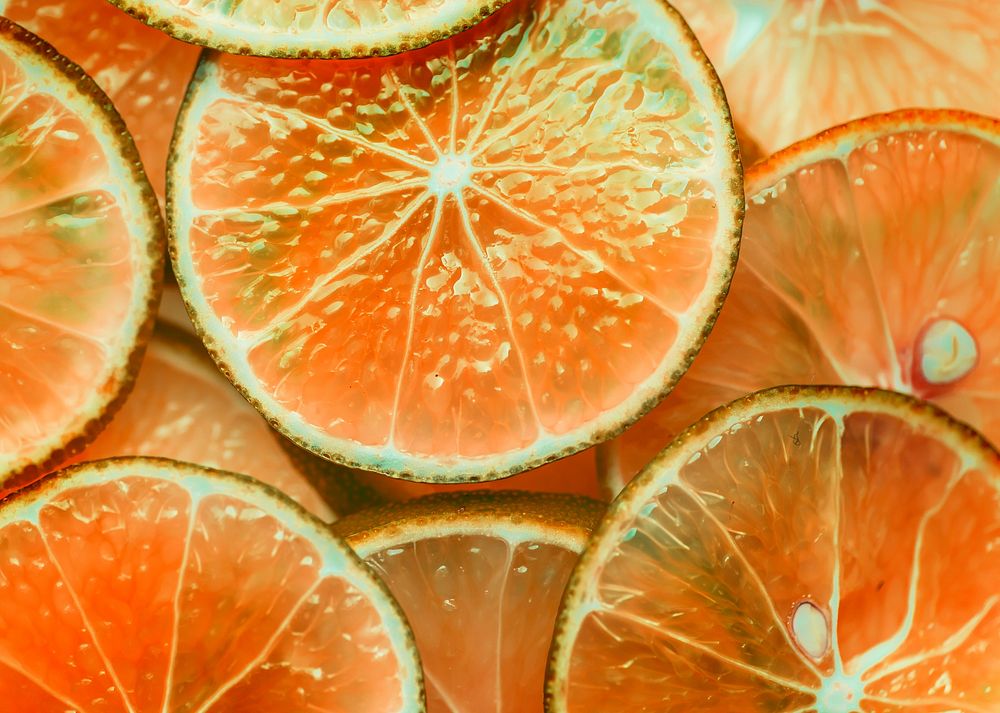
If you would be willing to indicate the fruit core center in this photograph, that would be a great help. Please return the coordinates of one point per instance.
(450, 174)
(947, 352)
(840, 694)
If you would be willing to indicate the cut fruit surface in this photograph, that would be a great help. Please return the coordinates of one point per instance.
(139, 585)
(143, 71)
(819, 550)
(793, 68)
(182, 408)
(81, 245)
(870, 257)
(479, 576)
(311, 28)
(468, 260)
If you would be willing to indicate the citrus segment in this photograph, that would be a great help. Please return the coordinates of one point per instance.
(480, 576)
(80, 259)
(146, 584)
(869, 258)
(182, 408)
(143, 71)
(468, 260)
(792, 69)
(767, 561)
(311, 28)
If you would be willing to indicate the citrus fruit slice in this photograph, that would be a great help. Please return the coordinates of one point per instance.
(143, 71)
(311, 28)
(479, 576)
(467, 260)
(823, 550)
(575, 474)
(182, 408)
(791, 69)
(81, 245)
(870, 257)
(138, 585)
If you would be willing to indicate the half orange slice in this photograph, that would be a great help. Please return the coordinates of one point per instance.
(149, 585)
(870, 257)
(145, 72)
(81, 244)
(468, 260)
(182, 408)
(822, 550)
(791, 69)
(480, 576)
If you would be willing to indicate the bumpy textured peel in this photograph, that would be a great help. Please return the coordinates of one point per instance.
(870, 257)
(792, 69)
(81, 245)
(311, 28)
(822, 550)
(468, 260)
(151, 585)
(182, 408)
(479, 576)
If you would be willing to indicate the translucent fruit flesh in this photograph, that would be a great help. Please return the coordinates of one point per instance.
(479, 576)
(820, 551)
(81, 249)
(869, 257)
(148, 585)
(182, 408)
(792, 69)
(143, 71)
(462, 261)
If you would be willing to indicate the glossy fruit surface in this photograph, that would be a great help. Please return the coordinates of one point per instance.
(467, 260)
(870, 257)
(81, 245)
(479, 576)
(136, 585)
(822, 550)
(792, 68)
(143, 71)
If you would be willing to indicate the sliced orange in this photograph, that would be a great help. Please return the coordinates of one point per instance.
(791, 69)
(821, 550)
(479, 576)
(467, 260)
(140, 585)
(145, 72)
(575, 474)
(870, 257)
(311, 28)
(183, 408)
(81, 244)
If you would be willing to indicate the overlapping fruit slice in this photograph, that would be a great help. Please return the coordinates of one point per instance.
(182, 408)
(468, 260)
(870, 257)
(145, 72)
(311, 28)
(149, 585)
(479, 576)
(792, 69)
(816, 550)
(81, 246)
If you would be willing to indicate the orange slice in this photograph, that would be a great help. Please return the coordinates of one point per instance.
(150, 585)
(791, 69)
(479, 576)
(183, 408)
(145, 72)
(467, 260)
(311, 28)
(870, 257)
(80, 257)
(827, 550)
